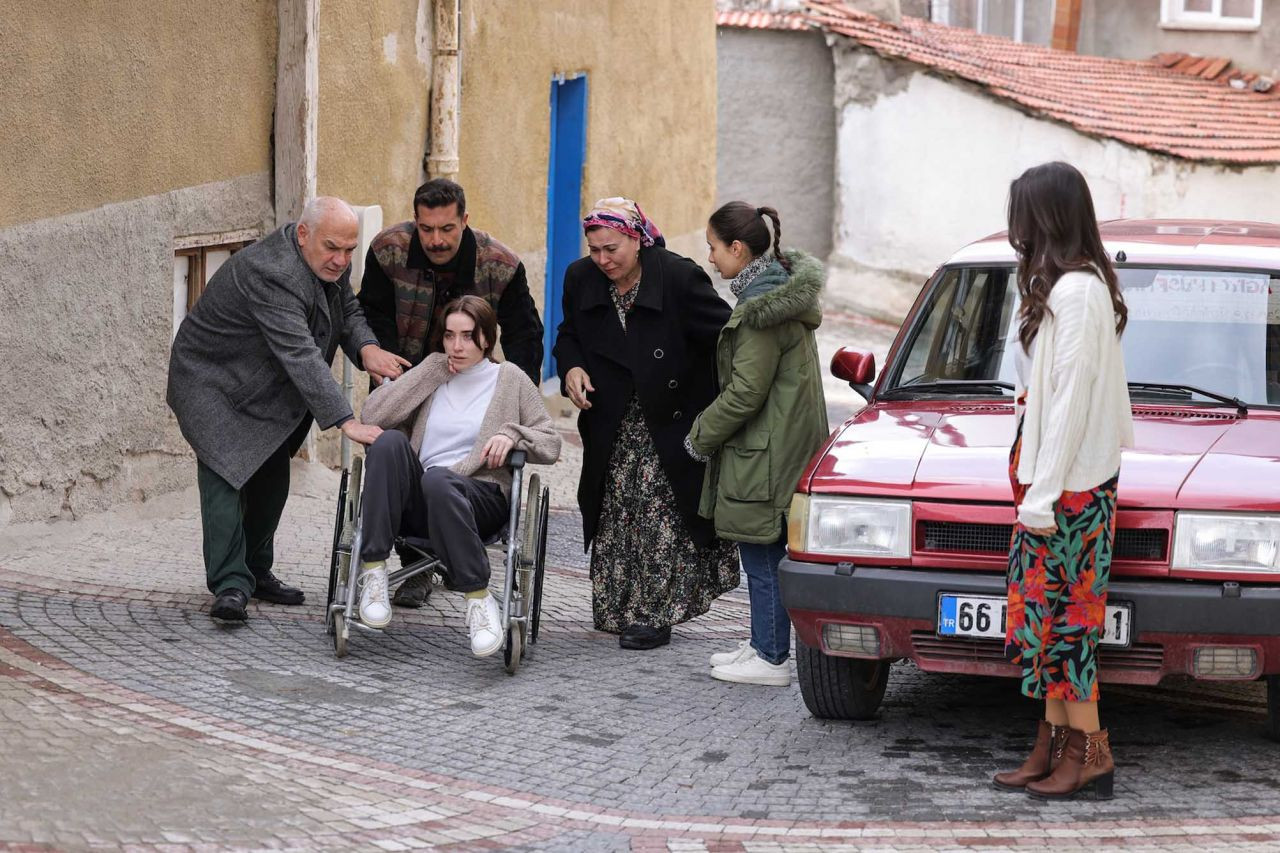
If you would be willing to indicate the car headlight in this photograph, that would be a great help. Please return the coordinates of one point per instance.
(1226, 542)
(849, 527)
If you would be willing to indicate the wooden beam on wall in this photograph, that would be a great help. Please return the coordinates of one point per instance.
(1066, 24)
(297, 99)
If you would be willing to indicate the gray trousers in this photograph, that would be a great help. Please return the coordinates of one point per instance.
(456, 513)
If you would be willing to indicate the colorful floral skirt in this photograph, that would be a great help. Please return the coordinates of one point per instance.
(1058, 592)
(645, 569)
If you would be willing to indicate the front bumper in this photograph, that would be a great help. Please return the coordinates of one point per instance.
(1171, 619)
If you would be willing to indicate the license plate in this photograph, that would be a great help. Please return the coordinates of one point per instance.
(983, 617)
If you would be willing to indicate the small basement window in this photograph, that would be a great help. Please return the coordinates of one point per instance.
(195, 260)
(1241, 15)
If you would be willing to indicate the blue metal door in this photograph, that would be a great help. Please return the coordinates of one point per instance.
(564, 199)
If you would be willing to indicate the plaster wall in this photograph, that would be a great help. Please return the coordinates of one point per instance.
(115, 101)
(926, 170)
(651, 105)
(1132, 30)
(84, 337)
(374, 99)
(775, 139)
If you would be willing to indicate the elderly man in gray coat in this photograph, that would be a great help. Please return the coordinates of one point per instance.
(248, 373)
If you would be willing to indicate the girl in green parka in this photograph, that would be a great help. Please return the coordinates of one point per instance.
(769, 419)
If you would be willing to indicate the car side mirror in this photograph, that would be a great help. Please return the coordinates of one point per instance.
(856, 367)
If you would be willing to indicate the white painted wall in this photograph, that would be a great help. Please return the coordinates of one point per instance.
(926, 170)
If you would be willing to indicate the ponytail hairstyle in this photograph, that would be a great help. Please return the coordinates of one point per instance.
(1053, 230)
(740, 221)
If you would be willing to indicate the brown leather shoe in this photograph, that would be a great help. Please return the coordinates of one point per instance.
(1086, 764)
(1045, 755)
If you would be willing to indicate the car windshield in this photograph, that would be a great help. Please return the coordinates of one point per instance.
(1214, 330)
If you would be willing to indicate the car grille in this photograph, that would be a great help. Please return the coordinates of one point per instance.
(1139, 656)
(1132, 543)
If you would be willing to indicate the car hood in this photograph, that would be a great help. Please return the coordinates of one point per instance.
(1182, 458)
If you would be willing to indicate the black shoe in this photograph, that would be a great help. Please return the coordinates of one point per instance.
(229, 606)
(271, 588)
(644, 637)
(414, 592)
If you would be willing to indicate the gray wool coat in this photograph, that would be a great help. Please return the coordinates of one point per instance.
(249, 367)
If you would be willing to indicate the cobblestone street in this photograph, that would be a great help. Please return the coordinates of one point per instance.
(127, 718)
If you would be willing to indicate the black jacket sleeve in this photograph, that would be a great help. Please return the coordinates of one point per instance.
(520, 326)
(703, 311)
(378, 300)
(568, 348)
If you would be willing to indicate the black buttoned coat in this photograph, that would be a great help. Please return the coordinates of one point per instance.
(666, 357)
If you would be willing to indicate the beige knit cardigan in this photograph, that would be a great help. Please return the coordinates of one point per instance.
(1078, 415)
(516, 411)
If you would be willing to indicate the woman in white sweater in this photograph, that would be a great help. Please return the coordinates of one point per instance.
(438, 472)
(1073, 418)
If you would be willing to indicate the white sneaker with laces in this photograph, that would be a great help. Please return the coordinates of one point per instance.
(754, 670)
(375, 609)
(483, 618)
(725, 658)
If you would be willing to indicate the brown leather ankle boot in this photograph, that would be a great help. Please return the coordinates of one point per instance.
(1086, 763)
(1045, 755)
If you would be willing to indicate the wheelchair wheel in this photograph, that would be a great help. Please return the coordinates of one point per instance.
(513, 651)
(539, 566)
(343, 557)
(529, 532)
(341, 631)
(333, 554)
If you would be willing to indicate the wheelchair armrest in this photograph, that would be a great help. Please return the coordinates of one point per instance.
(516, 461)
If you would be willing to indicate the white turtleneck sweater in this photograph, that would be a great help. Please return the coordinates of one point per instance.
(456, 410)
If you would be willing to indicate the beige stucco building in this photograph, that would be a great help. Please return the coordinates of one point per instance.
(150, 139)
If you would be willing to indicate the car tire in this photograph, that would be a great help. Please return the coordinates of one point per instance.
(1273, 707)
(836, 688)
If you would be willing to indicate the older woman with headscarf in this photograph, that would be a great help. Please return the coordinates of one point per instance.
(636, 354)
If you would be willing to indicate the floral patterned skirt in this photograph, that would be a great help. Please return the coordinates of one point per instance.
(1058, 592)
(645, 568)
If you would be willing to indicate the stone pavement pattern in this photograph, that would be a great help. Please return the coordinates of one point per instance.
(128, 719)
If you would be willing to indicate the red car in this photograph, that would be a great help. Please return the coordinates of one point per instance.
(899, 532)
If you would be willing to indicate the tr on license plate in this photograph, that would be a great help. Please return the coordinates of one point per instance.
(983, 616)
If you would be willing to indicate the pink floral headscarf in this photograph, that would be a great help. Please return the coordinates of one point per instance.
(625, 216)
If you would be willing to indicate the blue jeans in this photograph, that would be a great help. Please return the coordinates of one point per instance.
(770, 627)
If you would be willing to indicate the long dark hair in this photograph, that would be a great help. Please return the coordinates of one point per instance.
(1053, 230)
(738, 220)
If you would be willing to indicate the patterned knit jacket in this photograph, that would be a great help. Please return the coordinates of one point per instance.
(415, 289)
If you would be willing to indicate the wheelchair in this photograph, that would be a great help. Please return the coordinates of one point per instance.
(524, 540)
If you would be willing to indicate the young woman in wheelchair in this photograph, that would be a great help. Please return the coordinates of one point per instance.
(439, 471)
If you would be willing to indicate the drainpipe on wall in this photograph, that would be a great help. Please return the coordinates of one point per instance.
(442, 154)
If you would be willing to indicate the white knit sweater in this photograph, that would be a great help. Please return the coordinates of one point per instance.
(1077, 415)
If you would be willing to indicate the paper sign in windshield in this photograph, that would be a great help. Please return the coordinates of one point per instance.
(1204, 297)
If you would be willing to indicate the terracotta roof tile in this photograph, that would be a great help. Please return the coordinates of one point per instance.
(1150, 104)
(764, 20)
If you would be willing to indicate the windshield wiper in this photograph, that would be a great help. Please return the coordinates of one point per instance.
(1241, 409)
(949, 386)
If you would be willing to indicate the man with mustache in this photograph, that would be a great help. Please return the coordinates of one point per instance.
(415, 268)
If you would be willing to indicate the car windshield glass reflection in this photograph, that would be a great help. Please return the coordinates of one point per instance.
(1214, 330)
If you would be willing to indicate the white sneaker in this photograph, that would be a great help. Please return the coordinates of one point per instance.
(754, 670)
(483, 618)
(375, 609)
(740, 653)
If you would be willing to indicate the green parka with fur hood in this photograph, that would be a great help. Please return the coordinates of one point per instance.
(770, 416)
